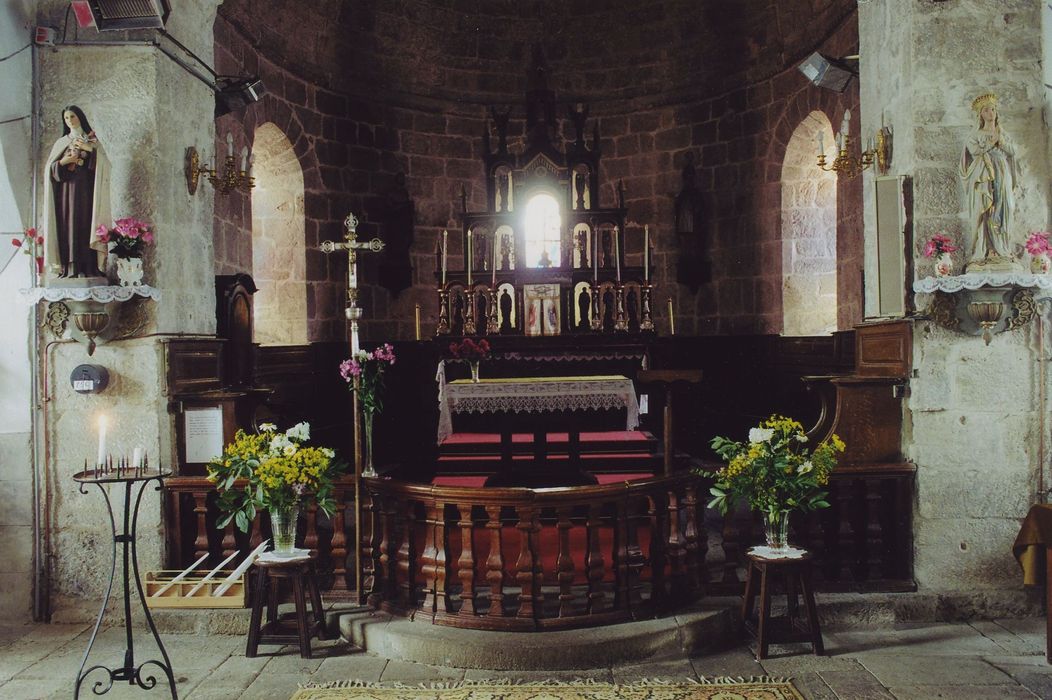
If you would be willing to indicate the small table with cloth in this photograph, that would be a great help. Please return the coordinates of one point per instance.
(1031, 551)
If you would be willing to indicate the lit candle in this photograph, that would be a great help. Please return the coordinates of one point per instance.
(102, 440)
(469, 258)
(445, 234)
(671, 319)
(137, 458)
(617, 256)
(418, 321)
(646, 253)
(230, 145)
(494, 261)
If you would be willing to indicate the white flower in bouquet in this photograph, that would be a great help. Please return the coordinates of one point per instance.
(759, 435)
(300, 431)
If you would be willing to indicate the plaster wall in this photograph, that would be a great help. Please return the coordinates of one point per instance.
(973, 419)
(16, 375)
(146, 110)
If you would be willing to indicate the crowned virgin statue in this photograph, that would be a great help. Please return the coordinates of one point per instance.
(988, 169)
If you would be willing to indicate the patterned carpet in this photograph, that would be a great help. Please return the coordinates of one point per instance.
(714, 689)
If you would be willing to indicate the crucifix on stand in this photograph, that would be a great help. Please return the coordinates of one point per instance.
(352, 245)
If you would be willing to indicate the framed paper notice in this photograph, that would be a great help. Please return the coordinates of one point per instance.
(203, 434)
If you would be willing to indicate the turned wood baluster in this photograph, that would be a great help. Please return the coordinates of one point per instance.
(466, 563)
(621, 556)
(731, 533)
(595, 567)
(693, 539)
(310, 538)
(495, 563)
(636, 560)
(525, 566)
(442, 601)
(388, 549)
(201, 510)
(428, 555)
(370, 537)
(255, 532)
(564, 564)
(845, 551)
(229, 543)
(405, 559)
(339, 543)
(657, 511)
(677, 552)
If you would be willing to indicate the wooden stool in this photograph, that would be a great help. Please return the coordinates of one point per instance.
(269, 575)
(796, 572)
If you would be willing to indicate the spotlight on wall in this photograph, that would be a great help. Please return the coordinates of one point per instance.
(236, 93)
(112, 15)
(827, 72)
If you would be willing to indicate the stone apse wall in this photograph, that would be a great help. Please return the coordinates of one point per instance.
(974, 419)
(374, 92)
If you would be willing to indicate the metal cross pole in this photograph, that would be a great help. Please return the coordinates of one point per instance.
(352, 245)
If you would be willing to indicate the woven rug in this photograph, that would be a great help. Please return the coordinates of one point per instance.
(763, 688)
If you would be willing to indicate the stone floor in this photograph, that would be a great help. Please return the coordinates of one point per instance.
(977, 661)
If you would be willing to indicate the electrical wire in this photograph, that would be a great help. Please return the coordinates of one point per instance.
(15, 119)
(187, 51)
(15, 53)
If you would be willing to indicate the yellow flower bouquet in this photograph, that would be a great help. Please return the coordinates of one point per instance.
(274, 471)
(775, 473)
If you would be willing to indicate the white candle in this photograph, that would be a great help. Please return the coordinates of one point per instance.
(244, 159)
(417, 310)
(102, 441)
(251, 163)
(494, 261)
(230, 145)
(469, 258)
(445, 234)
(844, 124)
(617, 256)
(671, 319)
(646, 253)
(137, 458)
(821, 144)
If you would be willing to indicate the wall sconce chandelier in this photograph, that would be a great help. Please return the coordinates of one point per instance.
(845, 164)
(231, 178)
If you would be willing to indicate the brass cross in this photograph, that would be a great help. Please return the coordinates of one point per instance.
(352, 245)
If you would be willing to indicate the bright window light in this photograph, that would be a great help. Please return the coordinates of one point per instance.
(543, 232)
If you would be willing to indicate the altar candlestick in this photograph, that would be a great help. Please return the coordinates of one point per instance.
(417, 321)
(617, 256)
(646, 253)
(445, 234)
(494, 285)
(469, 258)
(102, 440)
(671, 319)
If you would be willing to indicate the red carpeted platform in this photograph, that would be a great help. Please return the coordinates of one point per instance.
(617, 451)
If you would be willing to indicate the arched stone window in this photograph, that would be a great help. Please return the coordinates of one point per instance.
(279, 264)
(809, 287)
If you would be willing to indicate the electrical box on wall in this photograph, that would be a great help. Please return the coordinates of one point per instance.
(89, 379)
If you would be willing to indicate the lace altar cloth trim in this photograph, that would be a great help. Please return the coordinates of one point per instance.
(537, 396)
(977, 280)
(102, 294)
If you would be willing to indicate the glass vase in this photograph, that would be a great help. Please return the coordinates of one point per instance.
(776, 529)
(283, 529)
(474, 364)
(367, 427)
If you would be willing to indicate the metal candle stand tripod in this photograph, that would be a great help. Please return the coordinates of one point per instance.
(128, 671)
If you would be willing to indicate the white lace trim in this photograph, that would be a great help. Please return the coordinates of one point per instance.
(104, 294)
(977, 280)
(537, 397)
(765, 552)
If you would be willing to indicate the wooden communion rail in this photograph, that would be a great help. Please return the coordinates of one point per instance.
(523, 559)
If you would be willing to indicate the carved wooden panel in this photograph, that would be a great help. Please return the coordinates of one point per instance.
(194, 366)
(883, 349)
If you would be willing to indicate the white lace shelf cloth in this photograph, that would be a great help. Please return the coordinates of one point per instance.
(977, 280)
(769, 553)
(537, 395)
(297, 554)
(103, 293)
